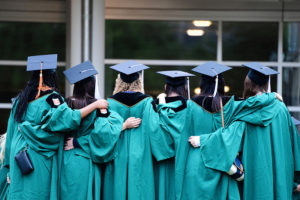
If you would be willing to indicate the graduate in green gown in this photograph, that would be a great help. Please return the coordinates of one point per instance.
(3, 170)
(171, 103)
(193, 180)
(38, 119)
(130, 175)
(94, 140)
(296, 194)
(267, 140)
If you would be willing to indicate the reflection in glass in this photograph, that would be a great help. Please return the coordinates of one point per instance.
(136, 39)
(291, 86)
(291, 42)
(250, 41)
(14, 79)
(19, 40)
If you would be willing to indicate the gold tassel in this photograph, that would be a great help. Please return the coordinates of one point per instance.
(40, 82)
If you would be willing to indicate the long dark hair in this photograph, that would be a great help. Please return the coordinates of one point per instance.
(251, 88)
(83, 93)
(181, 90)
(29, 92)
(207, 86)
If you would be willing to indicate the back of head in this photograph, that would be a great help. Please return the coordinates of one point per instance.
(207, 86)
(122, 86)
(29, 92)
(180, 90)
(83, 93)
(251, 88)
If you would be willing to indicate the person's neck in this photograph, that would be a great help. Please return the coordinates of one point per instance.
(173, 94)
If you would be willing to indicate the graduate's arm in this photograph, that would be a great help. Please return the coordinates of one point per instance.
(219, 149)
(99, 104)
(11, 127)
(61, 118)
(102, 140)
(252, 104)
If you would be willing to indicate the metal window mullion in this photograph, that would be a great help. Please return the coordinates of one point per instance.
(280, 58)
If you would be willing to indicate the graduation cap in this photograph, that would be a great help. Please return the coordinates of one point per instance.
(259, 73)
(80, 72)
(41, 62)
(129, 70)
(296, 121)
(212, 69)
(176, 78)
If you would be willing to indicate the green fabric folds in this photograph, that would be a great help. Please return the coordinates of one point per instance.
(41, 133)
(130, 175)
(81, 172)
(269, 150)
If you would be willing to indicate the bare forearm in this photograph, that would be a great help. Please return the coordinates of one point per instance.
(88, 109)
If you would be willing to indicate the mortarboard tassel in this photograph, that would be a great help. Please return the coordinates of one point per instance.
(40, 82)
(269, 84)
(188, 87)
(216, 86)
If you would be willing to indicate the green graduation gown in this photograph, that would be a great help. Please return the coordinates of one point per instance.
(96, 136)
(270, 147)
(41, 132)
(130, 175)
(165, 169)
(193, 180)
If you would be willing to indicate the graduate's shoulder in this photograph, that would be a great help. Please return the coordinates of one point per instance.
(54, 99)
(130, 99)
(176, 103)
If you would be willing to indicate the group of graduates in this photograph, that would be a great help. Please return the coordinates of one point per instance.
(211, 147)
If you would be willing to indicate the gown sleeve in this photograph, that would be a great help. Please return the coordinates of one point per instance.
(162, 144)
(60, 118)
(101, 142)
(219, 149)
(244, 108)
(11, 129)
(296, 145)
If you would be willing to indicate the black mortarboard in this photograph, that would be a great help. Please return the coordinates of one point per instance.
(129, 70)
(296, 121)
(80, 72)
(211, 69)
(47, 61)
(175, 78)
(259, 73)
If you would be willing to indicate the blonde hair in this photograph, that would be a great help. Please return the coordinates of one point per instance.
(2, 145)
(135, 86)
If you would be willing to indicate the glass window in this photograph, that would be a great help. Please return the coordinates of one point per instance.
(250, 41)
(291, 42)
(291, 86)
(136, 39)
(13, 79)
(297, 116)
(234, 80)
(19, 40)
